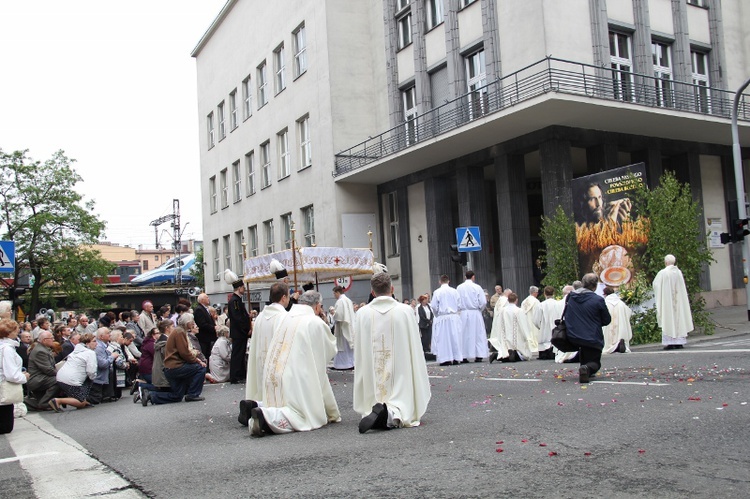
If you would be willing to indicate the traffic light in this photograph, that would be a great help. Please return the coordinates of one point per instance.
(458, 256)
(16, 296)
(739, 229)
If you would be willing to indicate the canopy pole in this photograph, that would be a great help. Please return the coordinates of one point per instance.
(294, 256)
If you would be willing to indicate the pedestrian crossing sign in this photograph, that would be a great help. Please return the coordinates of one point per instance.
(7, 256)
(468, 239)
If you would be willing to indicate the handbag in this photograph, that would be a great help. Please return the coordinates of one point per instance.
(10, 393)
(560, 334)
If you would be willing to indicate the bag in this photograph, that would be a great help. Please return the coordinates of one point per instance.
(10, 393)
(560, 333)
(560, 337)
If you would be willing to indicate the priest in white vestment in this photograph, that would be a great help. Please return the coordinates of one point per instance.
(343, 330)
(446, 328)
(297, 395)
(391, 387)
(618, 333)
(473, 334)
(528, 305)
(517, 335)
(545, 315)
(258, 345)
(497, 333)
(672, 305)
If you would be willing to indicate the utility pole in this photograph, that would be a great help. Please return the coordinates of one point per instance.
(176, 237)
(740, 186)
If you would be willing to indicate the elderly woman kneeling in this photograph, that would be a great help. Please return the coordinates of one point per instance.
(220, 356)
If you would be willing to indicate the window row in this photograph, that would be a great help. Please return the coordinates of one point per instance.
(434, 15)
(259, 88)
(621, 63)
(229, 250)
(243, 175)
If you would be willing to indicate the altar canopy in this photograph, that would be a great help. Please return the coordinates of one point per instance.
(312, 263)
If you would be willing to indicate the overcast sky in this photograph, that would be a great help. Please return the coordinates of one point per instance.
(111, 83)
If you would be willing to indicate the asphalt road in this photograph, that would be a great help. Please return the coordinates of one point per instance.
(653, 424)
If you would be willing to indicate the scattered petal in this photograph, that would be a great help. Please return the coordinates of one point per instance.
(542, 444)
(498, 450)
(641, 451)
(586, 453)
(560, 404)
(499, 442)
(552, 453)
(524, 440)
(724, 404)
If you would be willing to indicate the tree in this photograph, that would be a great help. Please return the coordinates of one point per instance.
(43, 213)
(561, 253)
(199, 269)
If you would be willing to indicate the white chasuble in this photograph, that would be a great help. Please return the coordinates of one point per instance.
(672, 304)
(263, 329)
(390, 362)
(619, 328)
(297, 394)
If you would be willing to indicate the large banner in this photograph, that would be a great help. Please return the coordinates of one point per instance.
(607, 232)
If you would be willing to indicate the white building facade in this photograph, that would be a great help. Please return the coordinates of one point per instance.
(413, 117)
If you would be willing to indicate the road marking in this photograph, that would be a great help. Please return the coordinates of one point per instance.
(640, 383)
(440, 377)
(510, 379)
(690, 350)
(27, 456)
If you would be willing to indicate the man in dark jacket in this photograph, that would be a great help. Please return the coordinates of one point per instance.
(206, 324)
(239, 331)
(585, 314)
(42, 384)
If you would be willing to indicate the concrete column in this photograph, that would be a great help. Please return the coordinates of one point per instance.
(556, 167)
(601, 157)
(600, 39)
(456, 73)
(422, 79)
(395, 110)
(407, 284)
(652, 157)
(513, 224)
(735, 250)
(717, 58)
(440, 230)
(491, 40)
(472, 211)
(681, 66)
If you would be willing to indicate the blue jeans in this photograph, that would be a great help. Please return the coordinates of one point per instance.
(186, 380)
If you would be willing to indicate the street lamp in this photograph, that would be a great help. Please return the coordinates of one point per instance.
(740, 186)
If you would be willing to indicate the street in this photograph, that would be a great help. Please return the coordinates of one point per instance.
(652, 423)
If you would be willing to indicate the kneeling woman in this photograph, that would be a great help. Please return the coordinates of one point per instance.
(77, 374)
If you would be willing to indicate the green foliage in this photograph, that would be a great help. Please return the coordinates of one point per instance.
(645, 327)
(43, 213)
(199, 270)
(561, 256)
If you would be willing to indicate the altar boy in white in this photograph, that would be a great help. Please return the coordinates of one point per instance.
(473, 334)
(297, 395)
(343, 330)
(391, 387)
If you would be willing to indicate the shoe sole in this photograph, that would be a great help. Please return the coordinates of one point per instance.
(245, 407)
(257, 429)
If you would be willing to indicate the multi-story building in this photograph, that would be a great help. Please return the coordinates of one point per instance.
(413, 117)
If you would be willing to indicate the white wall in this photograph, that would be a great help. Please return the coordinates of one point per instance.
(419, 250)
(660, 16)
(714, 206)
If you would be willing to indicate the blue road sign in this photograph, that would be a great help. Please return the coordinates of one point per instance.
(7, 256)
(468, 239)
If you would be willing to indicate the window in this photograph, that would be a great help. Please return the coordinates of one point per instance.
(252, 241)
(622, 77)
(262, 85)
(400, 4)
(286, 227)
(476, 79)
(278, 68)
(236, 182)
(222, 126)
(404, 30)
(699, 65)
(239, 238)
(215, 249)
(300, 53)
(435, 14)
(305, 147)
(233, 109)
(145, 265)
(466, 3)
(247, 98)
(265, 159)
(392, 223)
(409, 99)
(661, 55)
(282, 138)
(224, 189)
(227, 253)
(308, 221)
(439, 92)
(210, 128)
(212, 193)
(697, 3)
(268, 231)
(250, 170)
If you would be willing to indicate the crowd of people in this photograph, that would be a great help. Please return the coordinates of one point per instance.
(282, 354)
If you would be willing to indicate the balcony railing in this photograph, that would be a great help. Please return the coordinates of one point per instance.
(547, 75)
